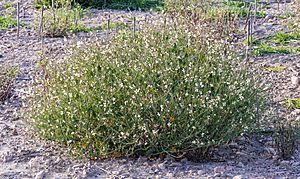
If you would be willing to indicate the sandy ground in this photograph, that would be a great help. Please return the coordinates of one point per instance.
(24, 155)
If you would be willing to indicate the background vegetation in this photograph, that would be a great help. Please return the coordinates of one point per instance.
(114, 4)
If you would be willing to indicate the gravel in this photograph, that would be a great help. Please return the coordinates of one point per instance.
(24, 155)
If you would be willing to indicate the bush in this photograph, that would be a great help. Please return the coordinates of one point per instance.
(167, 89)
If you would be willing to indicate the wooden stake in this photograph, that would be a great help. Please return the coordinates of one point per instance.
(18, 20)
(75, 20)
(255, 12)
(134, 25)
(24, 14)
(248, 16)
(165, 23)
(248, 48)
(247, 38)
(41, 23)
(108, 22)
(251, 30)
(257, 109)
(108, 27)
(66, 21)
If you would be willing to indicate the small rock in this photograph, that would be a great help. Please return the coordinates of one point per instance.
(84, 172)
(217, 175)
(175, 164)
(295, 80)
(241, 153)
(161, 166)
(77, 166)
(115, 172)
(40, 175)
(240, 164)
(285, 163)
(229, 175)
(233, 145)
(239, 177)
(200, 172)
(15, 132)
(142, 159)
(271, 150)
(219, 169)
(169, 175)
(6, 157)
(295, 164)
(145, 164)
(57, 161)
(184, 160)
(33, 162)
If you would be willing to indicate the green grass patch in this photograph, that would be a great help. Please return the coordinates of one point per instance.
(283, 38)
(264, 49)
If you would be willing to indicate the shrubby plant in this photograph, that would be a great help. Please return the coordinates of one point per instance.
(169, 88)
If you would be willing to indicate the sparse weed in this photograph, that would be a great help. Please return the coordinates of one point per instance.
(7, 76)
(285, 140)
